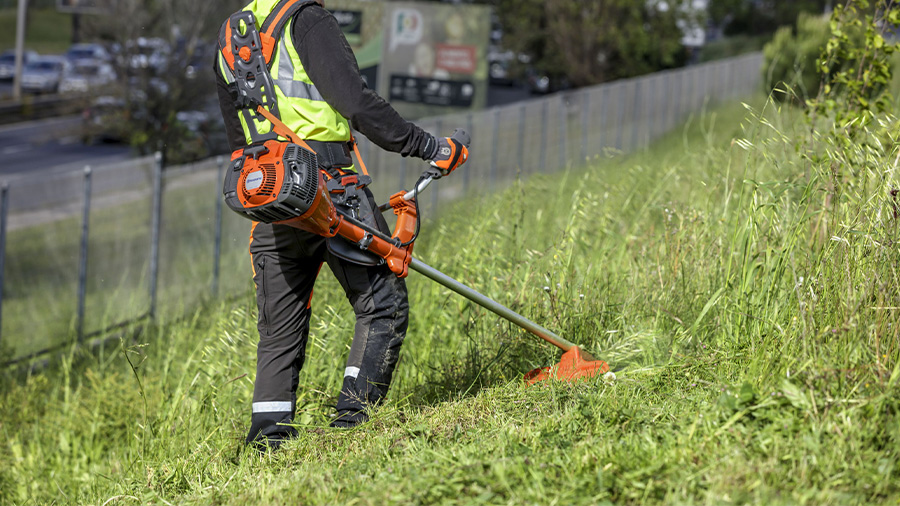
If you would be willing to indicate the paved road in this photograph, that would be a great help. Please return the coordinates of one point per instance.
(55, 145)
(51, 145)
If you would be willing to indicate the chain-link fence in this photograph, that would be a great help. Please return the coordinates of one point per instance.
(86, 251)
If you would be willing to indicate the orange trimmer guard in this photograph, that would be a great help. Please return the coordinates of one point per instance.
(575, 364)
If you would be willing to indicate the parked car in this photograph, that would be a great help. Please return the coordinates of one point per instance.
(8, 63)
(88, 52)
(87, 75)
(105, 120)
(499, 72)
(144, 54)
(43, 74)
(542, 84)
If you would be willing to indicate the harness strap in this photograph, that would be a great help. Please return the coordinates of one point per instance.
(362, 165)
(269, 31)
(282, 129)
(274, 24)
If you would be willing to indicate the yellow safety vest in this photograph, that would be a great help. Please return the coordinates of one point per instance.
(302, 108)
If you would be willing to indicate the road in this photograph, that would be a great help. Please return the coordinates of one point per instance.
(55, 144)
(51, 145)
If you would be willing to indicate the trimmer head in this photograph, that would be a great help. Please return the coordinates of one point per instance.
(575, 364)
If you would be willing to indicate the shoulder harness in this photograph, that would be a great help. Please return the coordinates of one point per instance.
(248, 52)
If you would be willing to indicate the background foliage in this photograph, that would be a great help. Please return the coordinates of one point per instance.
(593, 41)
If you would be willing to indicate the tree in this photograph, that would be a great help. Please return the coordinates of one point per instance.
(592, 41)
(758, 17)
(164, 65)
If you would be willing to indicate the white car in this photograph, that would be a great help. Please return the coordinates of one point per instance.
(8, 63)
(43, 74)
(147, 54)
(88, 52)
(85, 76)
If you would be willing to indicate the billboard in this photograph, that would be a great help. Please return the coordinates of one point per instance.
(425, 58)
(82, 6)
(435, 57)
(362, 23)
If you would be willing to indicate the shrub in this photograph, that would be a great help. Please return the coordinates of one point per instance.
(790, 58)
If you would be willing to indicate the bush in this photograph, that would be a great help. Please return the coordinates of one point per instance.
(733, 46)
(790, 58)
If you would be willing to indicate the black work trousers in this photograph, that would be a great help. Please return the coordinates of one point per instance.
(286, 262)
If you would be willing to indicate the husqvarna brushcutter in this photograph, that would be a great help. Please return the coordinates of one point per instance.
(282, 183)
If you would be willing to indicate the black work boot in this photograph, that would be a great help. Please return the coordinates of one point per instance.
(267, 432)
(347, 419)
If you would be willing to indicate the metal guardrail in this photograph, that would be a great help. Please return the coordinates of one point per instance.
(34, 107)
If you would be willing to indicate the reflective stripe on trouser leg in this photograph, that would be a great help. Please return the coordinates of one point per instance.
(272, 407)
(286, 262)
(379, 299)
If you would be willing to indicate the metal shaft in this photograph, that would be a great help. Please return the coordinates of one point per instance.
(490, 304)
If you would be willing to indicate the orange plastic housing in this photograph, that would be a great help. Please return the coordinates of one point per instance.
(268, 172)
(321, 218)
(573, 366)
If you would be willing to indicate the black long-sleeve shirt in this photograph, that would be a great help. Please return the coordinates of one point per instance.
(329, 61)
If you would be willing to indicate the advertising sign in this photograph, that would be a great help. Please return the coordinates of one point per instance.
(82, 6)
(362, 24)
(351, 24)
(435, 57)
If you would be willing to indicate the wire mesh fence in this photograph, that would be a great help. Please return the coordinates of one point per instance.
(85, 251)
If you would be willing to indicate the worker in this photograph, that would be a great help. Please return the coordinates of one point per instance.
(321, 96)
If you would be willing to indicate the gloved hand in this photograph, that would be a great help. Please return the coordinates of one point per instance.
(452, 151)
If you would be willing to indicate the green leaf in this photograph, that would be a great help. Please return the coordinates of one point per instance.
(709, 304)
(794, 395)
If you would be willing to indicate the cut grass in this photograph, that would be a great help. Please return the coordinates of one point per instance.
(758, 364)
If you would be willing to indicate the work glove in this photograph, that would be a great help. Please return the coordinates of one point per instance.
(451, 152)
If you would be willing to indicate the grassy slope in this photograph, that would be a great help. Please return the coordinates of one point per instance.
(758, 367)
(48, 31)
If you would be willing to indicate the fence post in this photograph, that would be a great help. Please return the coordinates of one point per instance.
(403, 170)
(83, 259)
(620, 118)
(563, 132)
(471, 132)
(495, 148)
(731, 91)
(4, 212)
(585, 123)
(521, 140)
(671, 113)
(602, 138)
(543, 163)
(635, 125)
(436, 190)
(155, 222)
(217, 248)
(649, 112)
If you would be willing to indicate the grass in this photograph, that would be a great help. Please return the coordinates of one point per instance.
(42, 263)
(749, 310)
(46, 31)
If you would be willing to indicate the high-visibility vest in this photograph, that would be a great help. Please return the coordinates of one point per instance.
(301, 107)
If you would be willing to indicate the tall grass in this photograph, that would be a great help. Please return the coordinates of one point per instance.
(749, 305)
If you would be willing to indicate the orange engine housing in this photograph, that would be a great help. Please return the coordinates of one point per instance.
(280, 182)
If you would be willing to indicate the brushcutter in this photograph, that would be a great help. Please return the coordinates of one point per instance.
(282, 183)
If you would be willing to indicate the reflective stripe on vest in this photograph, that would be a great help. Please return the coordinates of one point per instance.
(301, 107)
(284, 79)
